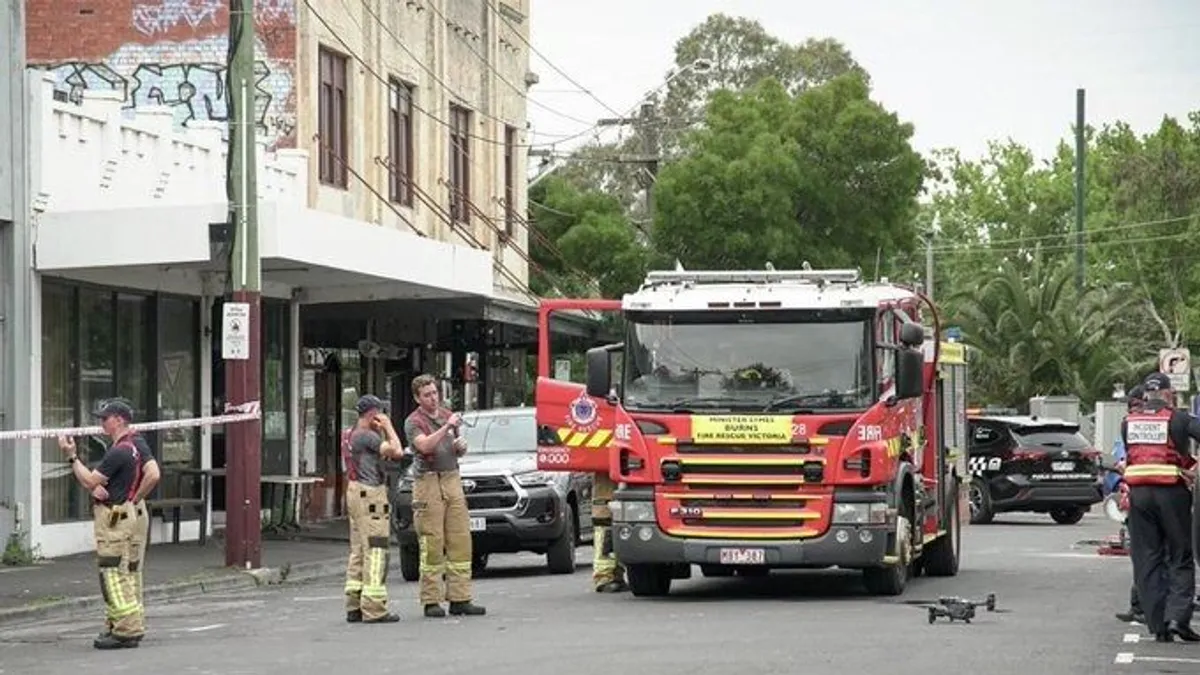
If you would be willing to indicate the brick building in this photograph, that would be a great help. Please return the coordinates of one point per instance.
(392, 175)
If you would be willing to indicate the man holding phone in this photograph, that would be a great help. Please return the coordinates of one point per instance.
(364, 447)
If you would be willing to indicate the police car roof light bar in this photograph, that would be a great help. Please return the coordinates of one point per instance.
(661, 277)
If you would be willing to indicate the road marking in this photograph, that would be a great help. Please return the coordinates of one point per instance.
(1166, 659)
(321, 598)
(1132, 637)
(1124, 657)
(201, 629)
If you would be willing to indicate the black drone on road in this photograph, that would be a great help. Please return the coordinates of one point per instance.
(958, 609)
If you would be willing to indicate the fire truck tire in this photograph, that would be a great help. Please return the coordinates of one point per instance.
(647, 581)
(410, 563)
(893, 579)
(981, 502)
(941, 557)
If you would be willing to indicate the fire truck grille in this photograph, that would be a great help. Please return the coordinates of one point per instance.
(690, 449)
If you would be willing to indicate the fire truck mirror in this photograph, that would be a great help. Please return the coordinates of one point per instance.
(599, 372)
(910, 374)
(912, 334)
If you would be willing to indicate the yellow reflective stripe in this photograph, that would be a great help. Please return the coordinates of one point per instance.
(353, 586)
(375, 592)
(1153, 470)
(579, 439)
(599, 438)
(460, 568)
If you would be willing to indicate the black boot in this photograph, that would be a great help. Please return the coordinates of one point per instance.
(386, 618)
(1131, 616)
(434, 611)
(354, 616)
(466, 609)
(111, 641)
(1183, 631)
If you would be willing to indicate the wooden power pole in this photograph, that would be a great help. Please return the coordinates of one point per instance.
(241, 329)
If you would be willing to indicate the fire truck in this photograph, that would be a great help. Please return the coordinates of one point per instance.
(758, 420)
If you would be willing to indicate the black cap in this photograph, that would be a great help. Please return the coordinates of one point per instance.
(370, 402)
(1137, 393)
(1157, 382)
(114, 406)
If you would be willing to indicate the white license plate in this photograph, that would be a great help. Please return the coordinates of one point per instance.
(1062, 466)
(743, 556)
(478, 524)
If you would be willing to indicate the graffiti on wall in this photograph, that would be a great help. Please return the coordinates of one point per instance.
(189, 77)
(157, 17)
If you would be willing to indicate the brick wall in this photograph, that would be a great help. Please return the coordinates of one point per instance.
(167, 52)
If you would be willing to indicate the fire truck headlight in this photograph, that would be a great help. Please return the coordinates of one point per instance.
(859, 514)
(632, 512)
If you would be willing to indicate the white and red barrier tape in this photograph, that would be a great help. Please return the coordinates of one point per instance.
(233, 413)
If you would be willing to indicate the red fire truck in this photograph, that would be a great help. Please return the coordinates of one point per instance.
(768, 419)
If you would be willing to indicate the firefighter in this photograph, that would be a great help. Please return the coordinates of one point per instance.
(1135, 399)
(113, 486)
(608, 575)
(1158, 471)
(364, 446)
(439, 504)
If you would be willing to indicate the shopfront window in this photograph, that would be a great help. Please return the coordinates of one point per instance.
(98, 343)
(178, 391)
(275, 352)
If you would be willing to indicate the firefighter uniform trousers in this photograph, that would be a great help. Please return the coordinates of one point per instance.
(605, 568)
(444, 527)
(137, 552)
(367, 568)
(1160, 543)
(114, 528)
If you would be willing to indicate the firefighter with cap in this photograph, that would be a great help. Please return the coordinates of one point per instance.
(364, 447)
(113, 486)
(1134, 401)
(1159, 471)
(439, 504)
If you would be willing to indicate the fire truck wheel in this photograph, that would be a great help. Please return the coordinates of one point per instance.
(941, 557)
(649, 580)
(892, 579)
(981, 502)
(410, 563)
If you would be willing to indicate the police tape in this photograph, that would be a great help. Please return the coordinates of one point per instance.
(233, 413)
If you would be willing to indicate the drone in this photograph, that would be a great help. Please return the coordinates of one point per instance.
(960, 609)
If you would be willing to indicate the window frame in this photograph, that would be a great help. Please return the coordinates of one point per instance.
(510, 181)
(332, 118)
(460, 163)
(401, 150)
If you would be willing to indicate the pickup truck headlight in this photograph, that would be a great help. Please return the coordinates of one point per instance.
(632, 512)
(534, 478)
(860, 514)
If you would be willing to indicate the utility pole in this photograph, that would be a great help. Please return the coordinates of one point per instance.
(929, 266)
(647, 123)
(1080, 152)
(242, 330)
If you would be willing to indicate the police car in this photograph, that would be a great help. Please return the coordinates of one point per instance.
(1031, 464)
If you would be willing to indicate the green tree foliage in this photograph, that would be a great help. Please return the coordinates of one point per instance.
(583, 241)
(827, 176)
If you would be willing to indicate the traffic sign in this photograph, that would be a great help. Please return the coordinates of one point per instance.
(1176, 363)
(235, 331)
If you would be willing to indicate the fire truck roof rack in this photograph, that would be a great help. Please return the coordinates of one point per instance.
(767, 276)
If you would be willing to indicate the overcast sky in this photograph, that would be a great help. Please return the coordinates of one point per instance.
(962, 71)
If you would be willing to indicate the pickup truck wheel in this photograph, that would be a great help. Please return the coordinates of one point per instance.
(479, 563)
(410, 563)
(1067, 515)
(560, 558)
(649, 580)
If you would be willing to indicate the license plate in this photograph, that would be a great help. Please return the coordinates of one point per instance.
(478, 524)
(743, 556)
(1062, 466)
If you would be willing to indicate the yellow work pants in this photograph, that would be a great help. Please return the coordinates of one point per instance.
(444, 528)
(605, 568)
(367, 568)
(116, 547)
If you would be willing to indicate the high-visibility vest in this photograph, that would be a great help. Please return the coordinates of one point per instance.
(1151, 456)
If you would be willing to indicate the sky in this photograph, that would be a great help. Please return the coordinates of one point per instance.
(963, 72)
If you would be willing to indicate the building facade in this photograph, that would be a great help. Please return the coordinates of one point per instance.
(391, 166)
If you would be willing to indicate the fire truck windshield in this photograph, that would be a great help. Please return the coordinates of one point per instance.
(750, 361)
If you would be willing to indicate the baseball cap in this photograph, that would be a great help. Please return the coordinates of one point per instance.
(114, 406)
(370, 402)
(1156, 382)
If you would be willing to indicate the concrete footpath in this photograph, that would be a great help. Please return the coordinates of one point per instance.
(172, 571)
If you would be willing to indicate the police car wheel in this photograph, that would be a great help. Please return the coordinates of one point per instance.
(1067, 515)
(410, 563)
(981, 502)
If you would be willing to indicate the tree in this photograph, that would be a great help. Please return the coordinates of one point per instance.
(827, 176)
(584, 241)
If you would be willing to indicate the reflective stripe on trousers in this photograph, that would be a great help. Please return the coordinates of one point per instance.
(444, 528)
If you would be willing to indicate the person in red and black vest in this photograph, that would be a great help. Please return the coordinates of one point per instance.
(364, 447)
(439, 504)
(113, 486)
(1135, 399)
(1160, 470)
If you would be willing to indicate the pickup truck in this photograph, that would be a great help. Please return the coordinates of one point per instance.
(513, 506)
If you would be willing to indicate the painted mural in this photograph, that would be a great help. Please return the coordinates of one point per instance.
(169, 52)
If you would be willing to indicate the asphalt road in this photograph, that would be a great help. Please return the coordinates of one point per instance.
(1059, 596)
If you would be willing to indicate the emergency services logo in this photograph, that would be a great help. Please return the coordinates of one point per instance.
(583, 414)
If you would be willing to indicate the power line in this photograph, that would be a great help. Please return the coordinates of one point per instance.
(500, 76)
(1055, 235)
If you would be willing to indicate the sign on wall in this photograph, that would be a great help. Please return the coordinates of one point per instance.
(235, 331)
